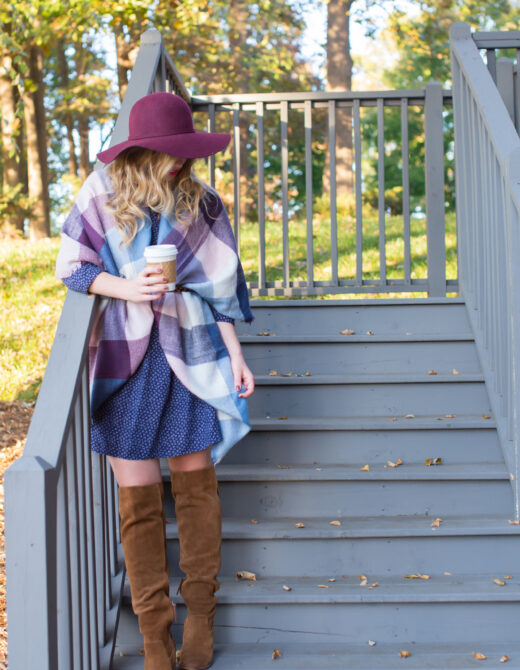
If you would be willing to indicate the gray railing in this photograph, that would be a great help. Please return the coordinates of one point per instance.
(487, 152)
(279, 105)
(504, 71)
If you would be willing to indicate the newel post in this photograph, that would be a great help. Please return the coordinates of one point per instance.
(435, 219)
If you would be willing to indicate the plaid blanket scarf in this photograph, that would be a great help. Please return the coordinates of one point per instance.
(207, 266)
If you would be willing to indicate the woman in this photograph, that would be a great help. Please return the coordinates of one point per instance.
(168, 378)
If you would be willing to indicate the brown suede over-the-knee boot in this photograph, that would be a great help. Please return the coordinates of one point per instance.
(141, 509)
(199, 519)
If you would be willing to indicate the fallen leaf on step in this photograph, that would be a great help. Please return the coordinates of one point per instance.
(450, 416)
(273, 373)
(418, 575)
(448, 573)
(479, 656)
(264, 333)
(335, 523)
(437, 523)
(308, 374)
(254, 521)
(318, 469)
(276, 654)
(244, 574)
(504, 658)
(283, 467)
(499, 582)
(347, 331)
(508, 576)
(300, 525)
(486, 416)
(323, 586)
(392, 418)
(140, 652)
(432, 372)
(286, 588)
(283, 418)
(365, 468)
(371, 643)
(396, 464)
(285, 374)
(373, 585)
(332, 579)
(433, 461)
(369, 332)
(455, 372)
(514, 522)
(364, 580)
(404, 653)
(409, 416)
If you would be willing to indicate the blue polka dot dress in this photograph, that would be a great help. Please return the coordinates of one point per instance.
(153, 415)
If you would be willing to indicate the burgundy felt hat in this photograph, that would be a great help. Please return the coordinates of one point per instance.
(163, 122)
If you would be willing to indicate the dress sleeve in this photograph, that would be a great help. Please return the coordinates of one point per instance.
(82, 278)
(221, 317)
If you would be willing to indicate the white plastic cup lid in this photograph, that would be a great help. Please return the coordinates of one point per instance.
(159, 252)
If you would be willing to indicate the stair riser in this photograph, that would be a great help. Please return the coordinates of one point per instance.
(339, 623)
(342, 499)
(360, 357)
(336, 400)
(330, 319)
(330, 446)
(493, 555)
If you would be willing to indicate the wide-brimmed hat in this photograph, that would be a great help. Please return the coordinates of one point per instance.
(163, 122)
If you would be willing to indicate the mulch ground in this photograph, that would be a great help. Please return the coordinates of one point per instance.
(14, 423)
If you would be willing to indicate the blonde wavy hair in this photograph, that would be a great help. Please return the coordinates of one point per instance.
(141, 179)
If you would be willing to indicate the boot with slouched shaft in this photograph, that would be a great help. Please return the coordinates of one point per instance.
(199, 520)
(141, 509)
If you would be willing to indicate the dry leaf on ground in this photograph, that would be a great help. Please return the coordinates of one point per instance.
(254, 521)
(332, 579)
(504, 658)
(455, 372)
(371, 643)
(396, 464)
(299, 525)
(283, 467)
(432, 372)
(283, 418)
(499, 581)
(479, 656)
(347, 331)
(433, 461)
(437, 523)
(450, 416)
(244, 574)
(323, 586)
(286, 374)
(365, 468)
(405, 653)
(417, 575)
(369, 332)
(276, 654)
(392, 418)
(335, 523)
(272, 373)
(486, 416)
(286, 588)
(409, 416)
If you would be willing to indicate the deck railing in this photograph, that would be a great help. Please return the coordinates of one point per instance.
(226, 112)
(487, 153)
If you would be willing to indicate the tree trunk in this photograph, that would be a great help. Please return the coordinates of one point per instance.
(339, 78)
(126, 52)
(12, 174)
(83, 119)
(68, 120)
(238, 32)
(37, 147)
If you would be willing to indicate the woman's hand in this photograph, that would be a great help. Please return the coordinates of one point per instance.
(148, 285)
(242, 375)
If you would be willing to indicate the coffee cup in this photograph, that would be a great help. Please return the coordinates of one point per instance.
(164, 256)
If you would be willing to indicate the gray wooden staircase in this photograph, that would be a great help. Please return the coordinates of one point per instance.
(369, 399)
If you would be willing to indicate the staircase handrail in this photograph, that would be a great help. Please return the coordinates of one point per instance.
(487, 159)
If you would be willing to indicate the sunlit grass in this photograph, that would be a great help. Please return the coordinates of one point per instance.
(32, 298)
(31, 302)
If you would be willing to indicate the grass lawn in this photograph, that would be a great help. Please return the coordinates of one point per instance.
(32, 298)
